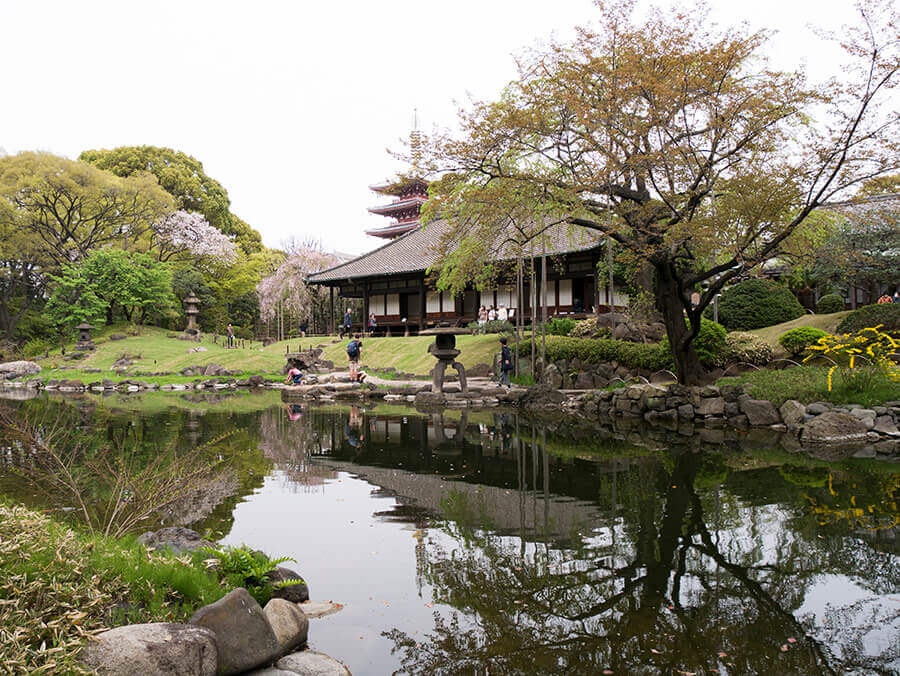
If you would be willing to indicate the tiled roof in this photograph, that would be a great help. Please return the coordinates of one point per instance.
(415, 252)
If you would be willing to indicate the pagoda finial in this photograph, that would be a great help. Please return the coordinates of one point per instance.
(415, 145)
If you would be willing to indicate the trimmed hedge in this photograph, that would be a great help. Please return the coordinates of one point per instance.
(560, 326)
(797, 340)
(709, 343)
(747, 348)
(755, 304)
(829, 304)
(650, 356)
(887, 315)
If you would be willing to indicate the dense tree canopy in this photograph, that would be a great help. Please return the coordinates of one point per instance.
(69, 208)
(107, 280)
(183, 177)
(679, 142)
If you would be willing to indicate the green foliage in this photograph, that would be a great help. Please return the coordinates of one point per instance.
(560, 326)
(110, 279)
(493, 326)
(754, 304)
(524, 379)
(35, 347)
(810, 383)
(797, 340)
(58, 583)
(652, 357)
(183, 177)
(244, 567)
(829, 303)
(709, 343)
(886, 315)
(747, 348)
(587, 328)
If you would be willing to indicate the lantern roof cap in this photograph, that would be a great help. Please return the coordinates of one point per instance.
(84, 325)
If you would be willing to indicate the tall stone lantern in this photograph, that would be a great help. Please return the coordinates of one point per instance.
(84, 337)
(192, 309)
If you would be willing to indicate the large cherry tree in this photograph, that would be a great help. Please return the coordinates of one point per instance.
(681, 143)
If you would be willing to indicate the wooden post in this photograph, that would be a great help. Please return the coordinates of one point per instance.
(612, 288)
(543, 304)
(422, 303)
(533, 301)
(331, 313)
(365, 322)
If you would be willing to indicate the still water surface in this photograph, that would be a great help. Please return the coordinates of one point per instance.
(491, 543)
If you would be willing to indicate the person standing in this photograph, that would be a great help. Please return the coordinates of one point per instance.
(230, 332)
(492, 313)
(354, 352)
(502, 315)
(372, 324)
(482, 318)
(347, 325)
(506, 363)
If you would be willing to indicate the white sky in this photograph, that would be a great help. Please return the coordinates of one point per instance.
(291, 105)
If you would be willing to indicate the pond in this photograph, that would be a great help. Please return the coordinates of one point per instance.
(494, 543)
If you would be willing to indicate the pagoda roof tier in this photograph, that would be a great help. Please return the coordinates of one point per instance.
(393, 230)
(399, 186)
(400, 205)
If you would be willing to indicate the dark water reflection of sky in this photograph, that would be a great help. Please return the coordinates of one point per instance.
(495, 544)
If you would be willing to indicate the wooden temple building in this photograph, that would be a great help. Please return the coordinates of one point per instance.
(394, 284)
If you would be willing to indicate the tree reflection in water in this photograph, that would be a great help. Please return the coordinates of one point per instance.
(683, 576)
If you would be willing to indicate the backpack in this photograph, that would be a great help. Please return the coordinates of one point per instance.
(353, 349)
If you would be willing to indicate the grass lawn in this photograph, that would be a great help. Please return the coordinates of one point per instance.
(771, 334)
(807, 384)
(153, 351)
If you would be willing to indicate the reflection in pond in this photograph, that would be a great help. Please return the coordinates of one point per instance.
(489, 543)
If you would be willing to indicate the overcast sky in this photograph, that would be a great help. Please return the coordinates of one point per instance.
(291, 105)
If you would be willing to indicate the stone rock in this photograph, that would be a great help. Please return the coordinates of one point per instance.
(310, 663)
(760, 412)
(686, 412)
(157, 649)
(552, 377)
(244, 637)
(17, 369)
(793, 413)
(711, 405)
(833, 427)
(213, 369)
(862, 413)
(295, 593)
(480, 371)
(176, 538)
(290, 625)
(710, 391)
(884, 424)
(116, 336)
(540, 397)
(817, 408)
(584, 381)
(256, 381)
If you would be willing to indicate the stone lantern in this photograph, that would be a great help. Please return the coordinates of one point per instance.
(444, 350)
(84, 337)
(192, 309)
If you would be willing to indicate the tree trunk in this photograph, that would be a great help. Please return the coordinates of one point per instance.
(688, 369)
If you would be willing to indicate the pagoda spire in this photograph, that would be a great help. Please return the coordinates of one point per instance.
(410, 192)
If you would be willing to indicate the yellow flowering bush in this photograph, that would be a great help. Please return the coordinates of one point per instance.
(860, 357)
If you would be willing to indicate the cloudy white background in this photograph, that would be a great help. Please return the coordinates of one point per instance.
(291, 105)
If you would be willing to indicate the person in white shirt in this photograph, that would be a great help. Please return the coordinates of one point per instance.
(501, 313)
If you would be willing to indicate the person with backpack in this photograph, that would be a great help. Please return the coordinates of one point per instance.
(506, 363)
(354, 351)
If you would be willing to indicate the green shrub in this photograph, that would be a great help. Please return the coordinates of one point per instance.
(709, 343)
(243, 333)
(747, 348)
(243, 567)
(754, 304)
(587, 328)
(829, 303)
(887, 315)
(649, 356)
(560, 326)
(494, 326)
(797, 340)
(35, 347)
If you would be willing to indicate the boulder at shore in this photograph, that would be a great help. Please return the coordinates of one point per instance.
(176, 538)
(17, 369)
(244, 637)
(834, 427)
(290, 624)
(157, 649)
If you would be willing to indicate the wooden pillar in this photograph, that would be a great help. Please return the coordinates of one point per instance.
(331, 311)
(365, 322)
(422, 302)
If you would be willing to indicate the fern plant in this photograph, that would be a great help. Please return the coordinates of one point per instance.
(244, 567)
